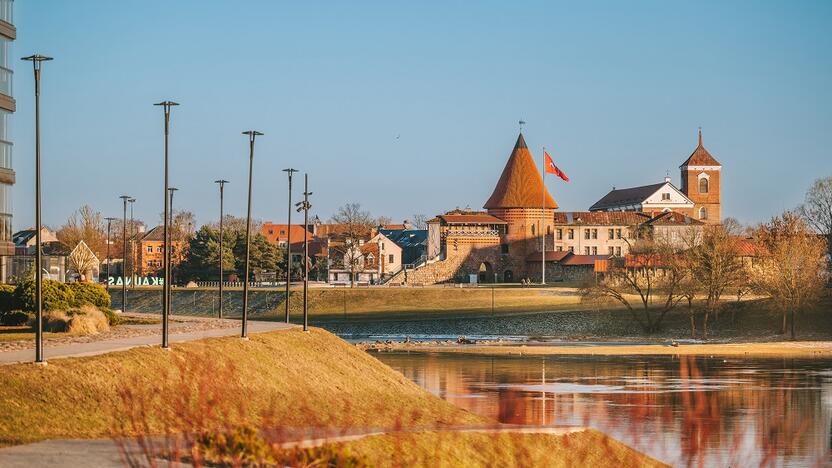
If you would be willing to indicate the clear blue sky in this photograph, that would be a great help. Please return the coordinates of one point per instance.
(616, 91)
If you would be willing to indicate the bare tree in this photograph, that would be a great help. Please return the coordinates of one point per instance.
(384, 221)
(794, 272)
(82, 260)
(653, 271)
(233, 223)
(356, 226)
(420, 221)
(817, 209)
(86, 225)
(715, 266)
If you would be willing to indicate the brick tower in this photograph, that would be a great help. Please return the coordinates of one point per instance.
(701, 183)
(519, 199)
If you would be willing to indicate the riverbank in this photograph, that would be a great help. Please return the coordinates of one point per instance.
(806, 349)
(275, 383)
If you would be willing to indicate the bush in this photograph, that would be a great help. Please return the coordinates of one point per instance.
(112, 317)
(84, 321)
(56, 295)
(7, 300)
(89, 293)
(14, 318)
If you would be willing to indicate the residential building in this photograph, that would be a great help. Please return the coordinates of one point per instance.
(8, 34)
(279, 234)
(22, 262)
(413, 243)
(152, 252)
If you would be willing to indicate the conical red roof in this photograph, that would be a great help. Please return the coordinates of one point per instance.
(520, 185)
(700, 156)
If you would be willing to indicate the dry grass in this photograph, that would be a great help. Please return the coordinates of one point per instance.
(86, 320)
(290, 376)
(429, 449)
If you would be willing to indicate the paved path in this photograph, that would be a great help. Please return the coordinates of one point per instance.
(121, 344)
(105, 453)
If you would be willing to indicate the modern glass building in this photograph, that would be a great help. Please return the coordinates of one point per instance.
(7, 107)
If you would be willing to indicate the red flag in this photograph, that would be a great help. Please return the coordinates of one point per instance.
(552, 169)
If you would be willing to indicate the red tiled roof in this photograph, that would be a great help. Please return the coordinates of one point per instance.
(601, 218)
(278, 233)
(750, 248)
(673, 218)
(700, 156)
(394, 227)
(587, 260)
(468, 217)
(551, 256)
(520, 184)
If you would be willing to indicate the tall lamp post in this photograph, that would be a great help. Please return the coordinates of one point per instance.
(305, 206)
(289, 172)
(125, 199)
(109, 260)
(169, 245)
(166, 106)
(37, 60)
(132, 246)
(221, 183)
(252, 134)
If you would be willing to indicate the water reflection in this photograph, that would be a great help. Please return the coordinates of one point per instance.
(687, 411)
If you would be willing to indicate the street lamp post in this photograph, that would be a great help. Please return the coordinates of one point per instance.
(252, 134)
(109, 260)
(125, 199)
(169, 244)
(132, 246)
(305, 206)
(221, 183)
(166, 106)
(289, 172)
(37, 60)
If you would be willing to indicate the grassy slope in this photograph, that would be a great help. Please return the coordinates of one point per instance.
(588, 448)
(291, 377)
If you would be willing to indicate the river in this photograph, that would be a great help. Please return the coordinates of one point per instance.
(681, 410)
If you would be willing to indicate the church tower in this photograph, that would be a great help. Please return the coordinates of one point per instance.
(701, 183)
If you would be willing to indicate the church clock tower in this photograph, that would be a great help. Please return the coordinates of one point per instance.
(701, 183)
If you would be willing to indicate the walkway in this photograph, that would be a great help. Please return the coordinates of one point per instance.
(105, 453)
(122, 344)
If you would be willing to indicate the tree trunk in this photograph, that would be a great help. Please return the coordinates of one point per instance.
(792, 314)
(783, 326)
(705, 325)
(692, 325)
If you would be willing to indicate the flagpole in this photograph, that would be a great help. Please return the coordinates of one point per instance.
(542, 222)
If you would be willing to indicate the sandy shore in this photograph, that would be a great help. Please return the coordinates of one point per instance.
(814, 349)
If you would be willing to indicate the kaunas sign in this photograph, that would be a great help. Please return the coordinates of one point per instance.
(135, 281)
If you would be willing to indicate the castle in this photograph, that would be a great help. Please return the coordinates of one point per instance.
(505, 242)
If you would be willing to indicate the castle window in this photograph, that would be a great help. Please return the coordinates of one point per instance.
(703, 185)
(703, 212)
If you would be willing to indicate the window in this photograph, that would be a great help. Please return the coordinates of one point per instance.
(158, 249)
(504, 248)
(149, 263)
(560, 248)
(271, 231)
(570, 234)
(611, 251)
(618, 233)
(703, 185)
(560, 234)
(703, 212)
(618, 251)
(665, 197)
(586, 250)
(390, 259)
(532, 229)
(595, 251)
(149, 249)
(586, 234)
(571, 249)
(612, 233)
(594, 233)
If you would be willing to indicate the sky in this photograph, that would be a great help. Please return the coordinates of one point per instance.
(413, 107)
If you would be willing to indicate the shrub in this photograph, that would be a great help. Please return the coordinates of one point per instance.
(56, 295)
(84, 321)
(112, 317)
(7, 300)
(14, 318)
(89, 293)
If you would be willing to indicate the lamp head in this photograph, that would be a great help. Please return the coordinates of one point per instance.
(125, 197)
(166, 104)
(221, 181)
(36, 60)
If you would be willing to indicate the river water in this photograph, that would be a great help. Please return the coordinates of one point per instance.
(686, 411)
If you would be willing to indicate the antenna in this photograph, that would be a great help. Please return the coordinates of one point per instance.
(521, 122)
